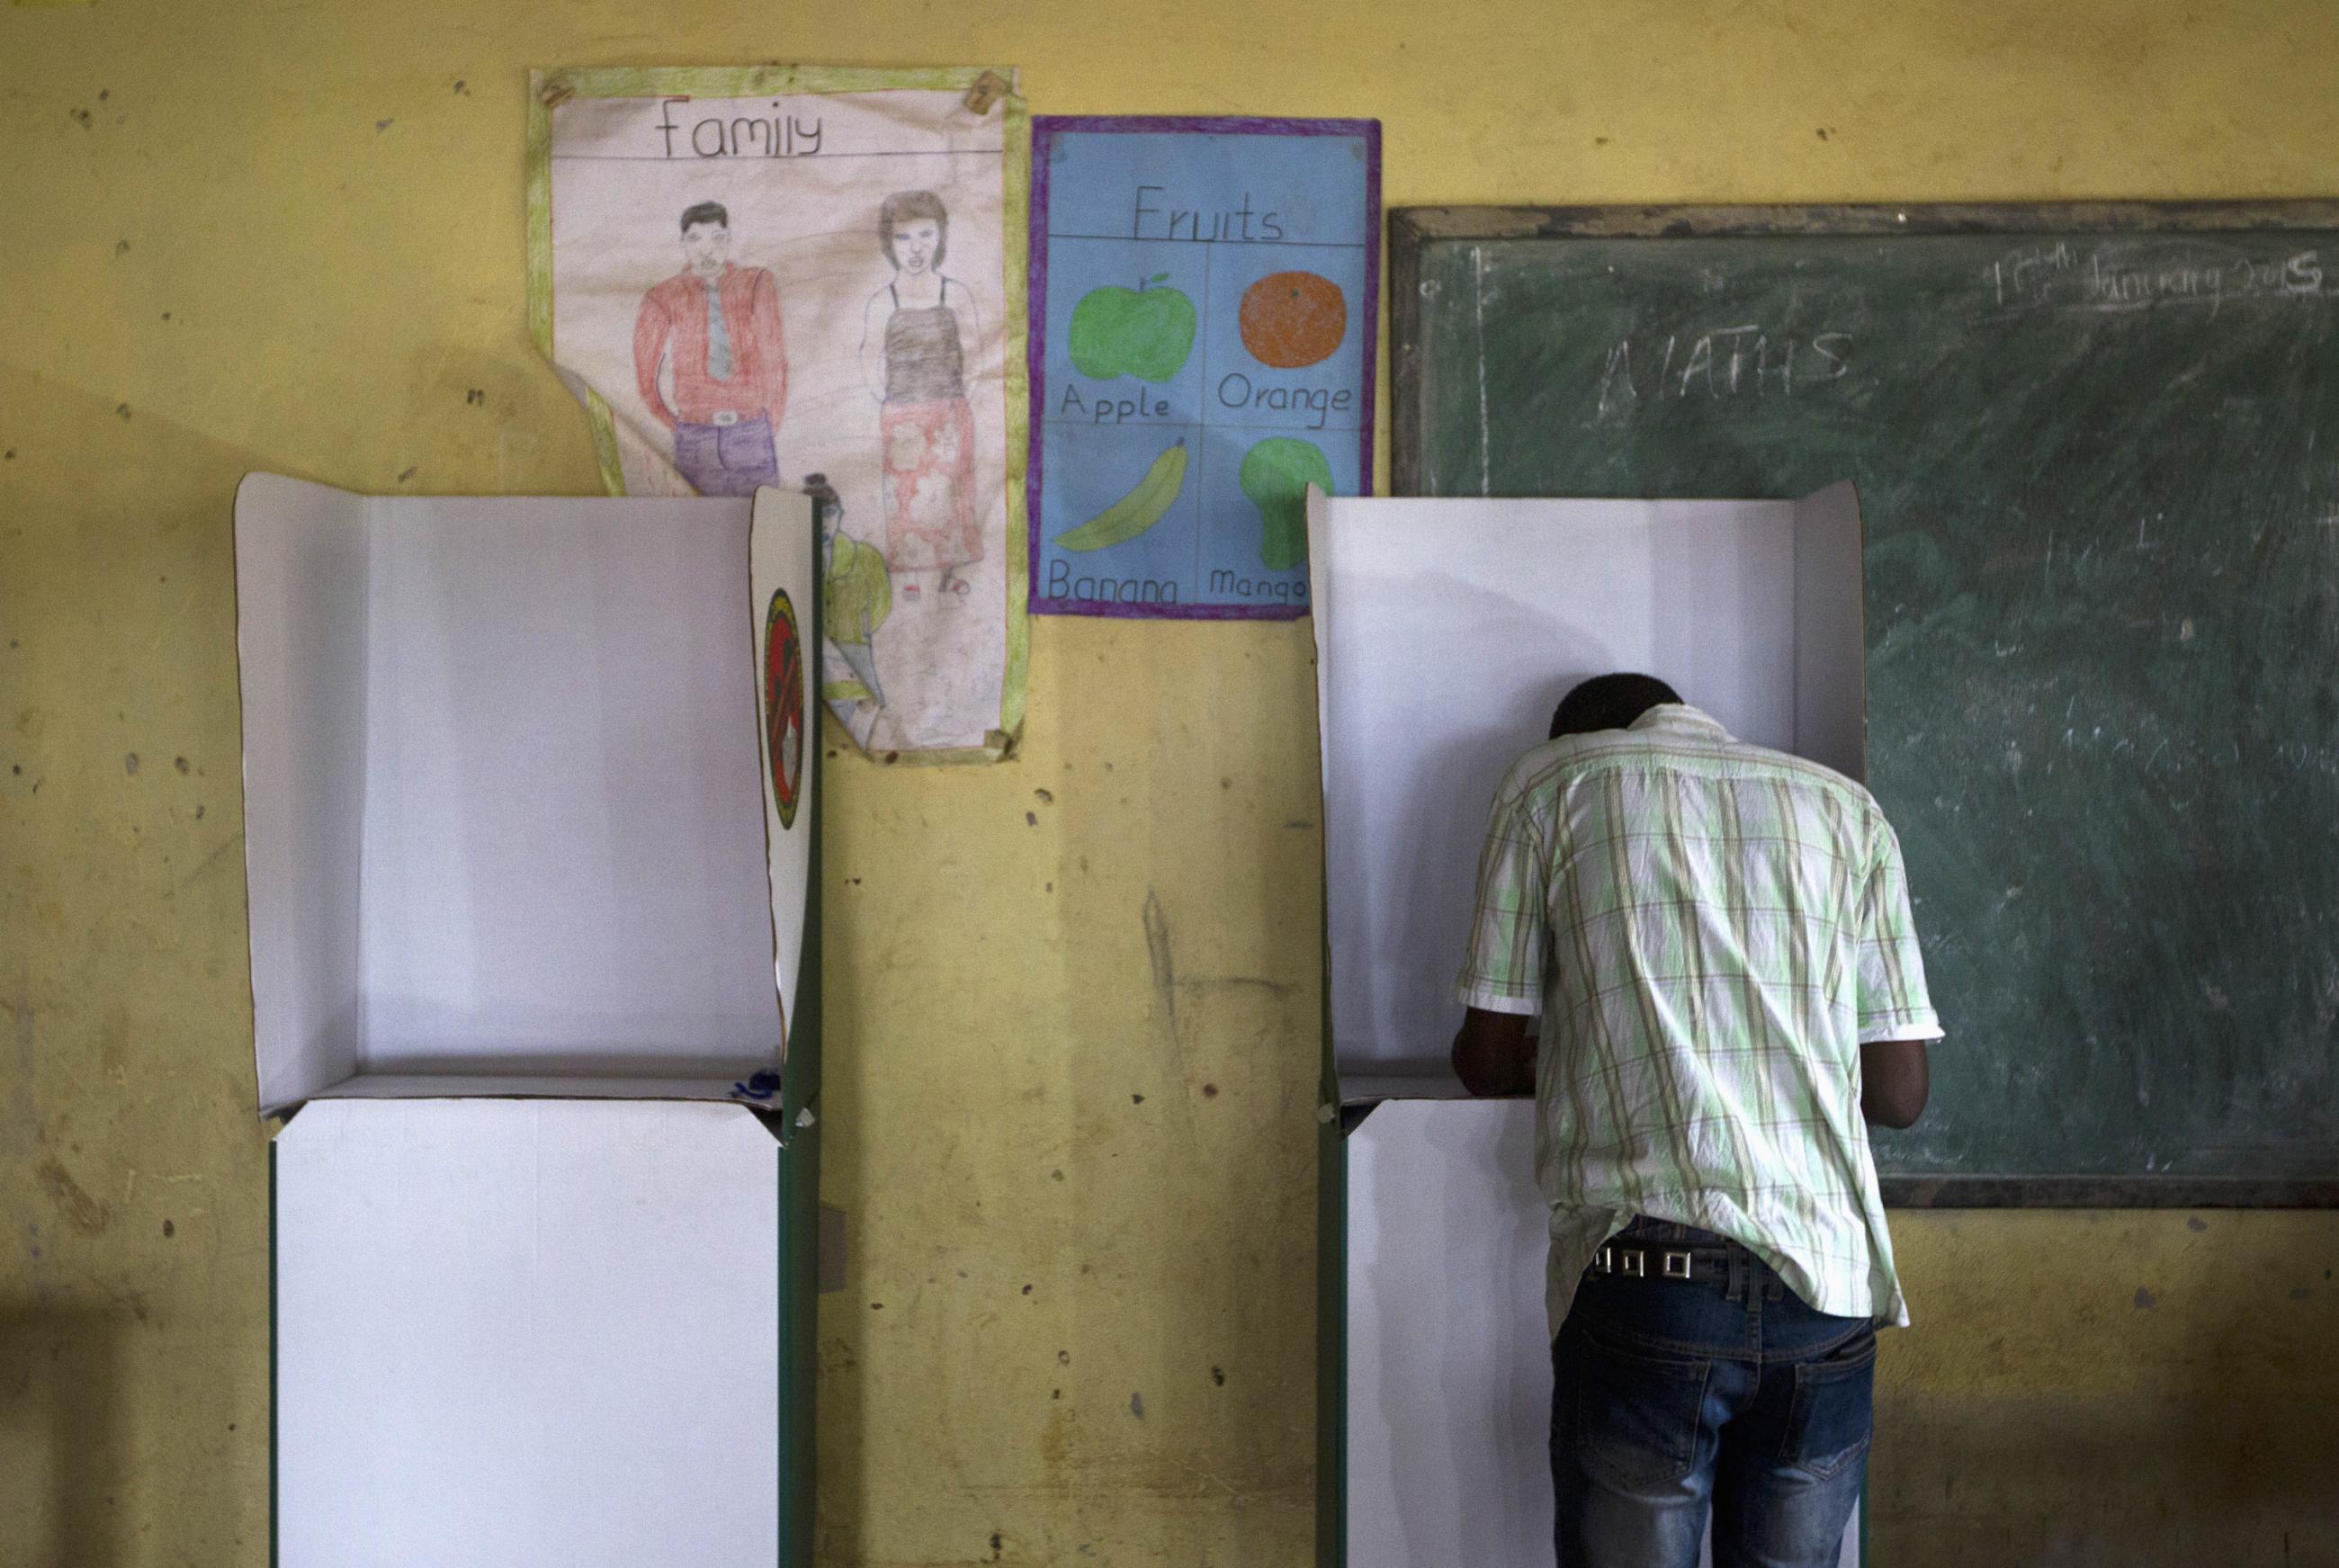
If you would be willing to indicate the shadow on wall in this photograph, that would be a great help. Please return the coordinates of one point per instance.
(2105, 1480)
(125, 590)
(2112, 1390)
(62, 1449)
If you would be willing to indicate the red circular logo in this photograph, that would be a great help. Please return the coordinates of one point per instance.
(784, 705)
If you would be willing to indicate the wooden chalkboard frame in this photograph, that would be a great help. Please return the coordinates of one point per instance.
(1414, 229)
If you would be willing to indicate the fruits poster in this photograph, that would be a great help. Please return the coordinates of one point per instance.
(814, 280)
(1201, 351)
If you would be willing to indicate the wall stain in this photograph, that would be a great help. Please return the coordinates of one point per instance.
(83, 1212)
(1157, 949)
(1169, 1039)
(24, 1112)
(1056, 1440)
(219, 855)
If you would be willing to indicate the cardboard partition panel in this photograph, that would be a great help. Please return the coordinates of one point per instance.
(528, 1331)
(1446, 632)
(505, 808)
(532, 825)
(1448, 1375)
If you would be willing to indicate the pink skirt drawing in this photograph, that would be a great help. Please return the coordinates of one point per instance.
(930, 521)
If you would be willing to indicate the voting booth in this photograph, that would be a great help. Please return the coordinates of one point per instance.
(1446, 631)
(531, 828)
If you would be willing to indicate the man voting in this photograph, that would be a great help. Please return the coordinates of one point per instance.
(1717, 940)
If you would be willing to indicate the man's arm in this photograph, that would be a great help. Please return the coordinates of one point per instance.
(1501, 983)
(1493, 1054)
(772, 345)
(1894, 1082)
(1896, 1013)
(651, 330)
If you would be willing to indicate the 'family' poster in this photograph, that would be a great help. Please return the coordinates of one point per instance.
(813, 279)
(1200, 353)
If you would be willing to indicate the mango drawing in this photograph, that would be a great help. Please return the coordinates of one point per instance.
(1276, 475)
(1293, 320)
(1145, 331)
(1135, 511)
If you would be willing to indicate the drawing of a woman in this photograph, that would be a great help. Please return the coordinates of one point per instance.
(919, 340)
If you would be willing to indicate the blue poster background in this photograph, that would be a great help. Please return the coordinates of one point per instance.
(1206, 209)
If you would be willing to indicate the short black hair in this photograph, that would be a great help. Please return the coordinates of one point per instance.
(1608, 702)
(705, 212)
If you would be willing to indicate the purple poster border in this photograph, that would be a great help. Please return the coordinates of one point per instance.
(1045, 129)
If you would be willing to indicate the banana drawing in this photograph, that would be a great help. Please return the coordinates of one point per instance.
(1135, 511)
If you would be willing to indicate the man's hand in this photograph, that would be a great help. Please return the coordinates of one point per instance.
(1894, 1082)
(1493, 1055)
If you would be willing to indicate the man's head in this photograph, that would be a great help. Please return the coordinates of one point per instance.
(1609, 703)
(706, 237)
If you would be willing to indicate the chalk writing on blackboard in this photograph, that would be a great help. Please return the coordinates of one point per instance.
(2060, 275)
(1733, 361)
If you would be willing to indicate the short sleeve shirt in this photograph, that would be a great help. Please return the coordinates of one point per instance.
(1710, 930)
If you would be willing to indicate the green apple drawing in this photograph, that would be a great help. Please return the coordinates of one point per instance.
(1276, 474)
(1145, 331)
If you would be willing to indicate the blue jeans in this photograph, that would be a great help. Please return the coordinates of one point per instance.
(1673, 1397)
(727, 459)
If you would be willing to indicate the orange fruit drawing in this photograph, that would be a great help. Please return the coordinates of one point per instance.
(1291, 319)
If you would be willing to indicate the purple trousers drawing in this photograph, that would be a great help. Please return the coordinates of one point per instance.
(727, 459)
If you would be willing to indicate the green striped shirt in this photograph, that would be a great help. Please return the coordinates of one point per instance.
(1710, 930)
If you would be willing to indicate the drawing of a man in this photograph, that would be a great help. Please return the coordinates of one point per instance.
(717, 327)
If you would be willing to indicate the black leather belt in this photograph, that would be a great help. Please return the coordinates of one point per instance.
(1682, 1263)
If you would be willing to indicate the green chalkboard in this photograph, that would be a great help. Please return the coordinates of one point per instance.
(2098, 453)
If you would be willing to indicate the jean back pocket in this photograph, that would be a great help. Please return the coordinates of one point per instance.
(1636, 1414)
(1834, 1415)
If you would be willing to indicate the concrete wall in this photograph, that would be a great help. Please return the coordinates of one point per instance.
(1070, 1097)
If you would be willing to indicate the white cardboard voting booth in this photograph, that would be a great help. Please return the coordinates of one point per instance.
(531, 832)
(1446, 631)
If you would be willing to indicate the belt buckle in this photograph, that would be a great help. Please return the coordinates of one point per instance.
(1636, 1265)
(1677, 1264)
(723, 418)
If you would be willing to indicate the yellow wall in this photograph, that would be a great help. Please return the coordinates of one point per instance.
(236, 235)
